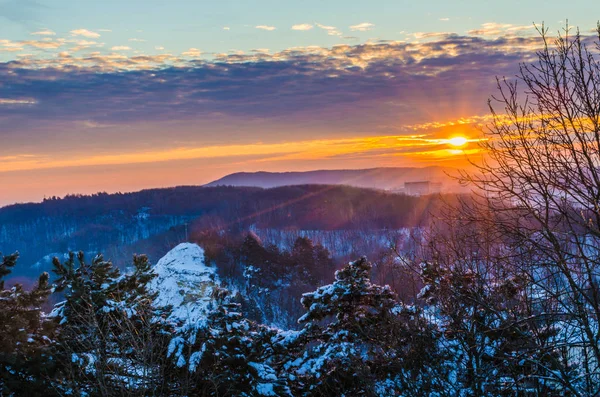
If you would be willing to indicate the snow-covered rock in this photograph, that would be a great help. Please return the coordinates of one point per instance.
(186, 283)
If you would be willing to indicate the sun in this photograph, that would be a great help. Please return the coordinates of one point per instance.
(458, 141)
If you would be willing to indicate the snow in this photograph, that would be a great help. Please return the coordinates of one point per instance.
(264, 372)
(267, 376)
(195, 358)
(265, 389)
(186, 283)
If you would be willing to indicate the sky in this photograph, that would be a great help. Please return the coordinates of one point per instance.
(124, 95)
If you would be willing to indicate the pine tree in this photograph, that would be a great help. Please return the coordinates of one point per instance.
(140, 331)
(110, 337)
(258, 268)
(229, 355)
(357, 338)
(25, 361)
(83, 345)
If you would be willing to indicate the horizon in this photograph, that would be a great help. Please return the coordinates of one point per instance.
(91, 193)
(103, 97)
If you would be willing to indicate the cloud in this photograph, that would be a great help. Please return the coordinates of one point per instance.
(120, 48)
(46, 45)
(265, 27)
(372, 88)
(6, 101)
(331, 30)
(297, 149)
(159, 48)
(439, 45)
(16, 46)
(431, 35)
(362, 27)
(192, 52)
(93, 124)
(302, 26)
(500, 29)
(44, 32)
(85, 42)
(85, 33)
(226, 28)
(138, 40)
(10, 46)
(84, 45)
(444, 19)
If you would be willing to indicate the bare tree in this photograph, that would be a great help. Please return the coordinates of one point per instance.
(540, 182)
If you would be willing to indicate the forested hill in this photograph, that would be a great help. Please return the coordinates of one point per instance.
(153, 221)
(373, 178)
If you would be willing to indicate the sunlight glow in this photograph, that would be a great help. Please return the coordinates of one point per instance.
(410, 147)
(458, 141)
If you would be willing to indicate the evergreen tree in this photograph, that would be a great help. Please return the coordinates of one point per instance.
(140, 331)
(357, 338)
(303, 258)
(110, 337)
(324, 265)
(25, 360)
(229, 355)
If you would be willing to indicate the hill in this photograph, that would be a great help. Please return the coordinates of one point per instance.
(373, 178)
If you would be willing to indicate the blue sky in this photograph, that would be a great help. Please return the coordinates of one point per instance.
(124, 95)
(178, 25)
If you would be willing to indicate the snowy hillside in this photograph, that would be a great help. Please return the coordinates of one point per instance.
(185, 282)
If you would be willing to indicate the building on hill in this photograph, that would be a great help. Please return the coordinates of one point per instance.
(422, 187)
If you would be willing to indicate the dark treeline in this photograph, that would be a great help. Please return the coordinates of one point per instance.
(152, 221)
(273, 278)
(320, 207)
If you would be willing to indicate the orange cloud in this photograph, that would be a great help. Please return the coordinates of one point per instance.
(376, 147)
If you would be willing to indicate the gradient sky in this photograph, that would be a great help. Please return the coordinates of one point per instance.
(122, 95)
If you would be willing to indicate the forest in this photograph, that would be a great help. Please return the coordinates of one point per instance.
(152, 221)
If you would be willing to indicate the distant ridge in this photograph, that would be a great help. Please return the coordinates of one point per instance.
(375, 178)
